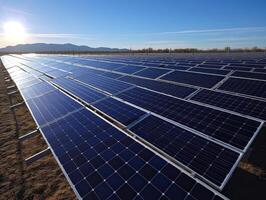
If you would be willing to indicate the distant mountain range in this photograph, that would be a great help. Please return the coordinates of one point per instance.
(43, 47)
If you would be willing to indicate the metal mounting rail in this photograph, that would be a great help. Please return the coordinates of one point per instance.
(37, 156)
(28, 135)
(17, 105)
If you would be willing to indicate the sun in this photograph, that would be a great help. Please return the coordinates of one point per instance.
(14, 31)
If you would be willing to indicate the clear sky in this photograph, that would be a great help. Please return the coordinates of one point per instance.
(138, 23)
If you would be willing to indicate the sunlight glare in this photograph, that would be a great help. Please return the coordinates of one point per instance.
(14, 32)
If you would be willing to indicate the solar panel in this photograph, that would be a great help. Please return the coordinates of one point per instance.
(252, 75)
(111, 75)
(260, 70)
(244, 86)
(210, 160)
(213, 66)
(246, 106)
(57, 73)
(36, 90)
(202, 80)
(248, 65)
(87, 94)
(100, 65)
(152, 72)
(121, 112)
(27, 82)
(103, 163)
(177, 67)
(167, 88)
(129, 69)
(210, 71)
(51, 106)
(237, 68)
(106, 84)
(234, 130)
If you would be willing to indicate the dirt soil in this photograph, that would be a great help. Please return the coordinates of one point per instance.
(43, 179)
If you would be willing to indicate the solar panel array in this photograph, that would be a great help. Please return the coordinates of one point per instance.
(144, 127)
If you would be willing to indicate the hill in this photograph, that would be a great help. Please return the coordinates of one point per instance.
(43, 47)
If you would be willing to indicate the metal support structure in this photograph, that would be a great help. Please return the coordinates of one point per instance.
(13, 92)
(11, 86)
(17, 105)
(28, 135)
(37, 156)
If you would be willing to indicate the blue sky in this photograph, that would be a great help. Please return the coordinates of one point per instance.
(140, 23)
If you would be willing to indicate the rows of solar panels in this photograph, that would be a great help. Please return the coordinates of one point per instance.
(188, 117)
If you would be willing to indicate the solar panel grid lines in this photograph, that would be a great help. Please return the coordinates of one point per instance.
(101, 89)
(159, 86)
(197, 155)
(119, 111)
(80, 91)
(249, 87)
(233, 103)
(249, 75)
(47, 108)
(193, 78)
(260, 70)
(109, 85)
(180, 111)
(99, 70)
(170, 71)
(130, 69)
(133, 123)
(238, 68)
(108, 175)
(36, 90)
(210, 71)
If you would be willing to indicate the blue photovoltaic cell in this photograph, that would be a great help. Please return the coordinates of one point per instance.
(118, 110)
(103, 163)
(252, 75)
(234, 130)
(213, 66)
(57, 73)
(82, 71)
(79, 71)
(152, 72)
(36, 90)
(83, 92)
(186, 64)
(245, 86)
(100, 65)
(27, 83)
(177, 67)
(64, 66)
(210, 160)
(106, 84)
(51, 106)
(248, 65)
(246, 106)
(210, 71)
(237, 68)
(129, 69)
(152, 64)
(260, 70)
(202, 80)
(111, 75)
(167, 88)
